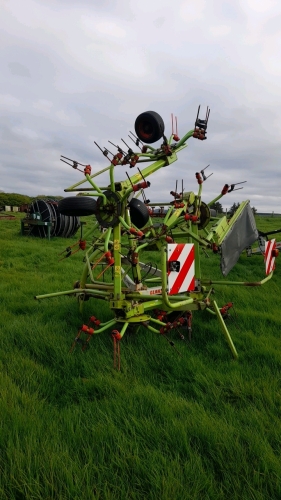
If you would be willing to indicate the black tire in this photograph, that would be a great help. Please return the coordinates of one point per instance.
(77, 205)
(139, 213)
(205, 215)
(149, 127)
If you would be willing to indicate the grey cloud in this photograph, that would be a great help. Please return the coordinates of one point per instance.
(87, 86)
(159, 21)
(19, 69)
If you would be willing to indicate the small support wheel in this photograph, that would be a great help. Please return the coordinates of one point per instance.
(149, 127)
(139, 213)
(205, 215)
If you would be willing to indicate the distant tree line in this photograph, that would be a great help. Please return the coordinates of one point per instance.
(219, 209)
(16, 200)
(235, 206)
(217, 206)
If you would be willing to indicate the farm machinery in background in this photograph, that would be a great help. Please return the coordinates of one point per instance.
(263, 243)
(43, 219)
(159, 298)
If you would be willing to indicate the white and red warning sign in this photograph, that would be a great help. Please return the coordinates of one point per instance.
(270, 253)
(180, 267)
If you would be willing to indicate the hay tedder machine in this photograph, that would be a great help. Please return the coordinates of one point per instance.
(159, 297)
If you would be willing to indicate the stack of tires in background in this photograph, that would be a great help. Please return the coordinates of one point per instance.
(48, 211)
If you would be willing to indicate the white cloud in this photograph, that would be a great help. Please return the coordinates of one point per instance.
(62, 116)
(220, 30)
(259, 6)
(190, 11)
(8, 101)
(43, 105)
(109, 29)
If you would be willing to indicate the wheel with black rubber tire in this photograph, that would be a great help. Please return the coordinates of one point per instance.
(77, 205)
(149, 127)
(139, 213)
(205, 215)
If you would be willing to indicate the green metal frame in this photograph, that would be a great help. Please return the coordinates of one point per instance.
(133, 300)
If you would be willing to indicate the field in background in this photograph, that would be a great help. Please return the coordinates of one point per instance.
(192, 426)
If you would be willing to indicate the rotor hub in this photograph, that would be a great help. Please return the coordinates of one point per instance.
(108, 214)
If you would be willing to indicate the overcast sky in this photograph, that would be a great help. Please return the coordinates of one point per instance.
(78, 71)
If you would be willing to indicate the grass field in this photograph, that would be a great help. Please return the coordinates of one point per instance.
(166, 427)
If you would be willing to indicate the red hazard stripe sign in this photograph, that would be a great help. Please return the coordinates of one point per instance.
(269, 257)
(182, 279)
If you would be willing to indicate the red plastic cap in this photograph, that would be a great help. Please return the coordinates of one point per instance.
(87, 330)
(88, 170)
(116, 335)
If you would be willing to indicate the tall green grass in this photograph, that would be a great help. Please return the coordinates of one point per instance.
(193, 426)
